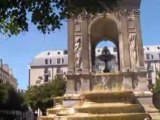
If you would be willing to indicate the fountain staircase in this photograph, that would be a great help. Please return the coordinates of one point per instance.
(99, 106)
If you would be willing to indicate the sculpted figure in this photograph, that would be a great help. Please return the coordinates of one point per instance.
(132, 48)
(77, 52)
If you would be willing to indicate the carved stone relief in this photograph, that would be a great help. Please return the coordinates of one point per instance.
(77, 26)
(78, 85)
(78, 52)
(131, 23)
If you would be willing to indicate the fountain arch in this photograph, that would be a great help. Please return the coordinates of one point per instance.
(105, 28)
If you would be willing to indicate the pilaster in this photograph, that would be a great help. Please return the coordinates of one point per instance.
(140, 53)
(85, 46)
(126, 60)
(70, 45)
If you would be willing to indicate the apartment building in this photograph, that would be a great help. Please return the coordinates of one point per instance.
(47, 64)
(6, 75)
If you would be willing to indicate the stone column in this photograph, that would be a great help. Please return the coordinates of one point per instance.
(120, 50)
(90, 54)
(70, 85)
(70, 45)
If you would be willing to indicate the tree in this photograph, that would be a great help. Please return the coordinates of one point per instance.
(3, 93)
(156, 91)
(42, 96)
(47, 15)
(157, 84)
(10, 99)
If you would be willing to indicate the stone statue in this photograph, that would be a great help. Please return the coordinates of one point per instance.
(132, 49)
(77, 52)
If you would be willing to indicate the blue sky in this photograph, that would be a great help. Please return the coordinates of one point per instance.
(18, 51)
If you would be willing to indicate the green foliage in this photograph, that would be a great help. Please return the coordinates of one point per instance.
(42, 96)
(3, 93)
(10, 99)
(156, 91)
(157, 84)
(47, 15)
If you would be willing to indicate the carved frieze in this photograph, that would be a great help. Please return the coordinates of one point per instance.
(125, 12)
(80, 16)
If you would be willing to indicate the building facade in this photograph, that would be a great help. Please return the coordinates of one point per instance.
(6, 75)
(47, 64)
(152, 61)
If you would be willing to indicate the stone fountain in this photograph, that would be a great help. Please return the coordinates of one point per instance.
(132, 100)
(106, 56)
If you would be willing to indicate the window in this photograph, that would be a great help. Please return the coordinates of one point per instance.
(48, 53)
(98, 50)
(58, 61)
(65, 52)
(58, 70)
(62, 60)
(46, 70)
(46, 61)
(147, 56)
(58, 53)
(159, 55)
(46, 78)
(46, 74)
(158, 48)
(115, 49)
(152, 56)
(147, 48)
(148, 65)
(50, 61)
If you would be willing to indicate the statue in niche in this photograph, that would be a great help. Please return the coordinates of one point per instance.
(132, 48)
(77, 52)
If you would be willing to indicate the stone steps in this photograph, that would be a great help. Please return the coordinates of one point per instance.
(100, 106)
(122, 116)
(54, 110)
(109, 108)
(109, 97)
(47, 118)
(155, 116)
(130, 116)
